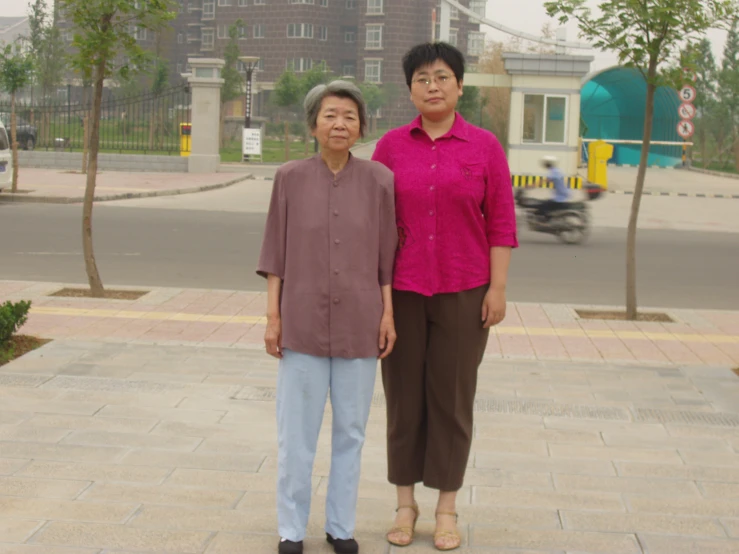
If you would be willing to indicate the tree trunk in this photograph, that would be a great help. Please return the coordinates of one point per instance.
(85, 142)
(152, 125)
(93, 276)
(736, 154)
(631, 309)
(14, 142)
(287, 140)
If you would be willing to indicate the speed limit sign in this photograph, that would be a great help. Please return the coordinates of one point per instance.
(685, 129)
(687, 93)
(686, 110)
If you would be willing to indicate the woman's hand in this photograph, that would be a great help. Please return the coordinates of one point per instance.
(273, 337)
(387, 335)
(493, 307)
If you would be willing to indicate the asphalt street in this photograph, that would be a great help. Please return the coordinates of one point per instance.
(218, 249)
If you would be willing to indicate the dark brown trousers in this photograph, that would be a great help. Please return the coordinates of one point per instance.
(430, 380)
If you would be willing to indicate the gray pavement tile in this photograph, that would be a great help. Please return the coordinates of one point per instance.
(732, 526)
(60, 452)
(41, 488)
(132, 440)
(64, 510)
(606, 453)
(31, 549)
(672, 471)
(94, 423)
(18, 530)
(9, 466)
(22, 380)
(27, 432)
(683, 506)
(710, 458)
(13, 418)
(581, 500)
(538, 464)
(601, 543)
(194, 460)
(161, 494)
(720, 490)
(659, 487)
(100, 473)
(661, 544)
(171, 414)
(609, 522)
(116, 536)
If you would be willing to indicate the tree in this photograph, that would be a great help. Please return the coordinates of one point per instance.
(160, 79)
(16, 71)
(374, 99)
(104, 46)
(287, 94)
(645, 35)
(46, 46)
(233, 81)
(728, 85)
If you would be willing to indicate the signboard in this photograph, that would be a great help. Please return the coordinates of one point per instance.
(685, 129)
(251, 142)
(686, 110)
(687, 93)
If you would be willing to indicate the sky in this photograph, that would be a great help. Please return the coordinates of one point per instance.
(524, 15)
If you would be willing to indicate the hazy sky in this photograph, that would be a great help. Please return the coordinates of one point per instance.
(524, 15)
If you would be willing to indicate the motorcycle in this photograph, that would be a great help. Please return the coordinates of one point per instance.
(570, 223)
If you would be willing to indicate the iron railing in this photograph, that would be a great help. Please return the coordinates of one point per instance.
(147, 123)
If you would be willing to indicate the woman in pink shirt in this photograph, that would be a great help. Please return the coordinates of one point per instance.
(456, 227)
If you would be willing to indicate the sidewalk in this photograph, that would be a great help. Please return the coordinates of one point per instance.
(235, 319)
(148, 427)
(65, 187)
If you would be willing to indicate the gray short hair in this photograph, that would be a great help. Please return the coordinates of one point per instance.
(342, 89)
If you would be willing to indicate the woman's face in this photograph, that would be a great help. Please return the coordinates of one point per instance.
(337, 125)
(435, 90)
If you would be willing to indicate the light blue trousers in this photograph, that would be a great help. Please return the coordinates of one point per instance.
(303, 384)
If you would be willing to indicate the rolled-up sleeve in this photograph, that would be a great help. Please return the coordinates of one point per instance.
(388, 232)
(272, 255)
(499, 209)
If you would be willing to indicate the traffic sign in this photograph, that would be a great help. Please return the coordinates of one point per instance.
(690, 74)
(687, 93)
(686, 110)
(685, 129)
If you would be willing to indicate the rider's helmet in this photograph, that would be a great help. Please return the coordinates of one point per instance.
(549, 161)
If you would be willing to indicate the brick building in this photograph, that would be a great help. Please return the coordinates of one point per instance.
(364, 39)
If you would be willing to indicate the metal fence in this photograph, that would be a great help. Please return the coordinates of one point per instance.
(135, 124)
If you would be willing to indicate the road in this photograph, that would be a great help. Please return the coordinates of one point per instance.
(218, 249)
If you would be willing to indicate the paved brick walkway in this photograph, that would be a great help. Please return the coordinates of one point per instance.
(148, 426)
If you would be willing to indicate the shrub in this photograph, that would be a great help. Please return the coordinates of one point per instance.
(12, 318)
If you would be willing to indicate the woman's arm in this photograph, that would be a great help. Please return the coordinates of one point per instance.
(494, 304)
(273, 334)
(387, 323)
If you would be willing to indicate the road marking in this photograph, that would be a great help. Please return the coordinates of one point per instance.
(500, 330)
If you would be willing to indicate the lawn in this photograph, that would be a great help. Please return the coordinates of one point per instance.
(728, 167)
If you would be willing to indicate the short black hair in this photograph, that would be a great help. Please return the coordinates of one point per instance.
(427, 53)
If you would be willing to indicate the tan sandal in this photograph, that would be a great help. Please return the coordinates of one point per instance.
(409, 531)
(447, 534)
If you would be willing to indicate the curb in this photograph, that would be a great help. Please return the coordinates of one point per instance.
(7, 197)
(714, 173)
(681, 194)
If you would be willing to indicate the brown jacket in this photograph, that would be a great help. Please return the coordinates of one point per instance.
(332, 241)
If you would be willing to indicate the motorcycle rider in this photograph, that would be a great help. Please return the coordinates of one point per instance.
(561, 191)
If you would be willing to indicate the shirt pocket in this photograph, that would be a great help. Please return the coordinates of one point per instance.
(470, 177)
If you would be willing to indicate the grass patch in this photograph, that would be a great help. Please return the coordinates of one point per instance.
(728, 167)
(110, 294)
(618, 315)
(18, 345)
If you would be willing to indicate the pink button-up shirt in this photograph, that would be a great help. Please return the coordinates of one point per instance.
(453, 203)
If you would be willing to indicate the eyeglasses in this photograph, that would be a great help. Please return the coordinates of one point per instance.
(439, 79)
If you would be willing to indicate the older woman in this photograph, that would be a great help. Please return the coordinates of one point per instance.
(456, 223)
(328, 253)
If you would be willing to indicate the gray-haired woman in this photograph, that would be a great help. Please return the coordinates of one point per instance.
(328, 254)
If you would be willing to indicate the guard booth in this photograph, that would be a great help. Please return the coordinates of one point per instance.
(544, 117)
(185, 139)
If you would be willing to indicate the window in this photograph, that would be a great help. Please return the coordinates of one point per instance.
(260, 2)
(139, 33)
(323, 33)
(374, 37)
(373, 71)
(348, 69)
(179, 69)
(302, 1)
(241, 29)
(453, 12)
(324, 3)
(259, 30)
(209, 9)
(544, 118)
(300, 64)
(242, 3)
(478, 6)
(223, 31)
(300, 30)
(207, 39)
(225, 2)
(350, 36)
(475, 43)
(180, 38)
(351, 4)
(4, 142)
(453, 33)
(194, 5)
(374, 7)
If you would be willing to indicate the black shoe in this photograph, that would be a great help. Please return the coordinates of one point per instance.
(290, 547)
(343, 546)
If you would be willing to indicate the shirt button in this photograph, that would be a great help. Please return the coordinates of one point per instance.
(431, 237)
(336, 212)
(433, 148)
(337, 241)
(431, 212)
(336, 271)
(431, 187)
(336, 300)
(336, 184)
(433, 166)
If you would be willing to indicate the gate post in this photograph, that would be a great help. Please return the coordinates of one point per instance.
(205, 85)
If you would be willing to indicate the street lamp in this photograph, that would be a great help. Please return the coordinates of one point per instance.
(250, 64)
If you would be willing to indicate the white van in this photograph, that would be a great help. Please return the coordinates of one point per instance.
(6, 160)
